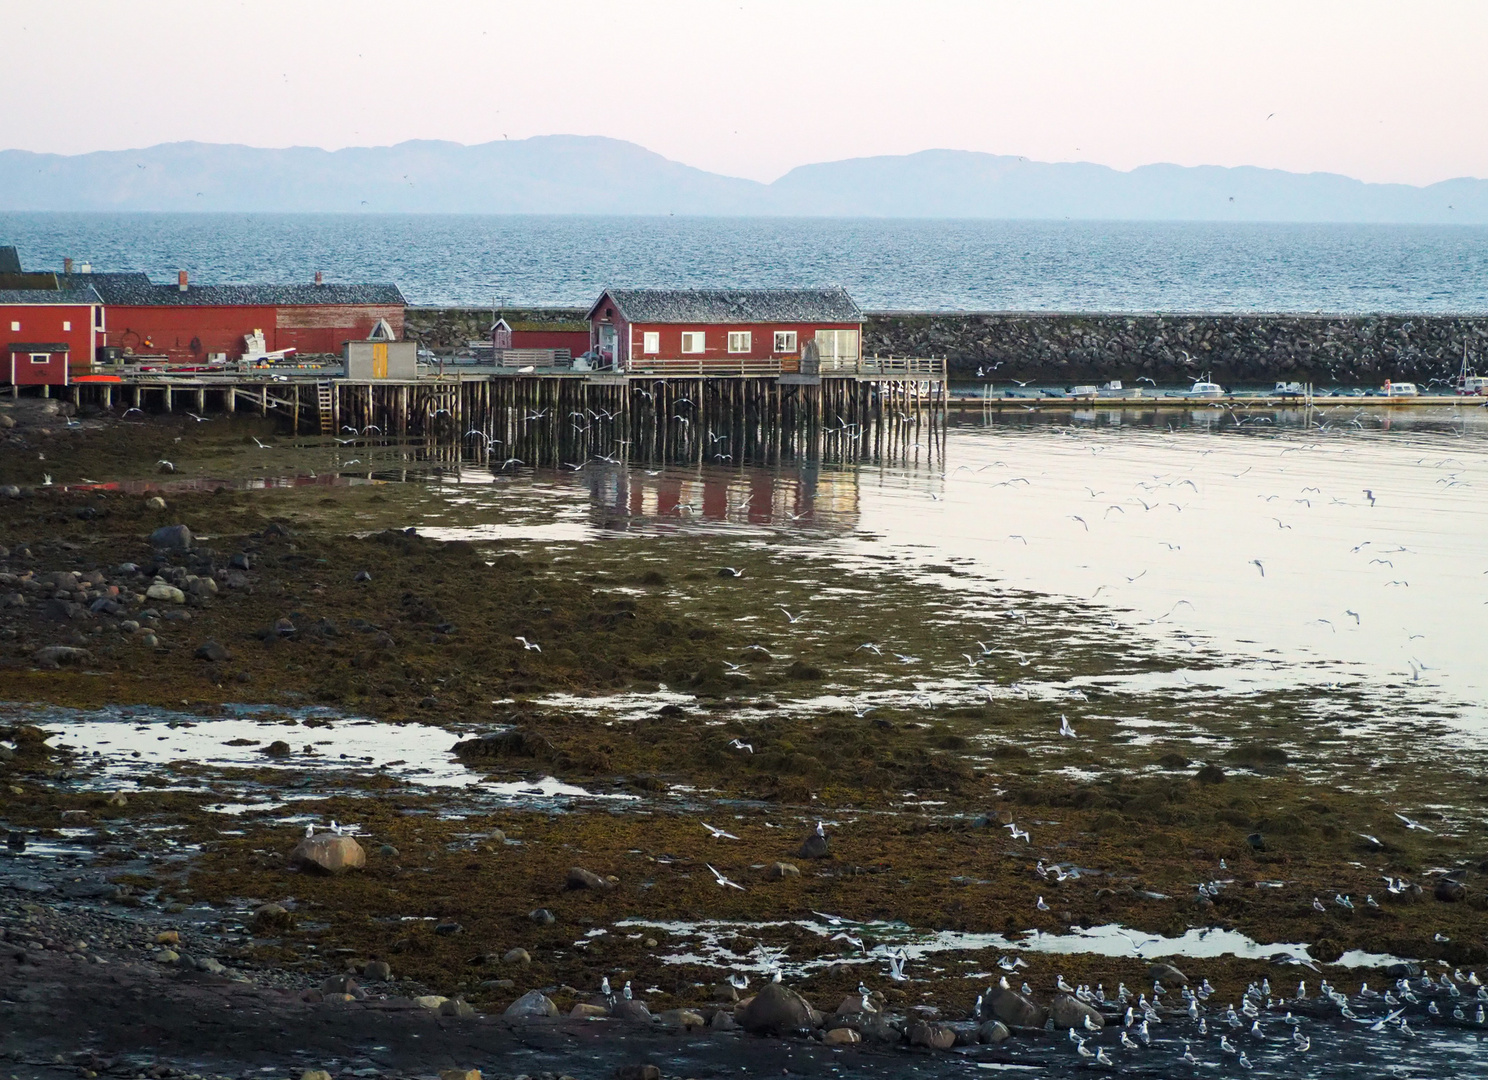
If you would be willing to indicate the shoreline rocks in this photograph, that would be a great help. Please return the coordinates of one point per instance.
(328, 854)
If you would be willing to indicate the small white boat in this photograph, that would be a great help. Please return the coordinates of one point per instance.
(1205, 389)
(1084, 390)
(1400, 389)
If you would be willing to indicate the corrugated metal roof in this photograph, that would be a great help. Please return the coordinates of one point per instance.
(138, 290)
(49, 296)
(734, 305)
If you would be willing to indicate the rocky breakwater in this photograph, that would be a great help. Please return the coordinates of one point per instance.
(1241, 349)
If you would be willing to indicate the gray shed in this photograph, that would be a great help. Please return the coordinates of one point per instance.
(374, 361)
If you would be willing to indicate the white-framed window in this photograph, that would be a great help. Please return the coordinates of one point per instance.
(739, 341)
(693, 341)
(837, 344)
(67, 326)
(785, 341)
(651, 341)
(14, 326)
(41, 358)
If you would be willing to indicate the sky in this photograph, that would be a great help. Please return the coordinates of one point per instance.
(1381, 91)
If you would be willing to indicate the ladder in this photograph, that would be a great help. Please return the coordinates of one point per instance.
(325, 401)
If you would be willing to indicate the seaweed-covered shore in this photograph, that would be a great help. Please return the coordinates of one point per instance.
(757, 686)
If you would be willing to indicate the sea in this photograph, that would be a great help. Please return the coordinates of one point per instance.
(886, 264)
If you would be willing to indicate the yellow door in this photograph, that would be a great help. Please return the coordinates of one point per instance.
(379, 360)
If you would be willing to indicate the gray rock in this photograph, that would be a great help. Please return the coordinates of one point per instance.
(542, 916)
(161, 591)
(815, 846)
(172, 537)
(994, 1031)
(532, 1004)
(339, 984)
(1449, 891)
(377, 971)
(723, 1021)
(54, 656)
(631, 1010)
(457, 1008)
(517, 956)
(934, 1036)
(781, 870)
(775, 1010)
(1012, 1008)
(579, 878)
(1068, 1011)
(211, 965)
(210, 650)
(1166, 973)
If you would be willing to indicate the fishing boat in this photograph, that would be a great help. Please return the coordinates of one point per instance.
(1203, 388)
(1400, 389)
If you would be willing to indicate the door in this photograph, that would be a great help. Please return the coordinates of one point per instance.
(607, 343)
(379, 360)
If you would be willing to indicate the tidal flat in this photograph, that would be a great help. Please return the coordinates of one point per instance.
(491, 684)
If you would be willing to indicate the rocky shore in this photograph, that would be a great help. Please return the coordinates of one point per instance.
(646, 777)
(1063, 348)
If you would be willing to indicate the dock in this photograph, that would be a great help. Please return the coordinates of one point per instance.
(666, 410)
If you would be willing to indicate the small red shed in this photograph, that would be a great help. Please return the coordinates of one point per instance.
(37, 363)
(40, 317)
(573, 336)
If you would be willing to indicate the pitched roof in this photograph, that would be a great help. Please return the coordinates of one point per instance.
(733, 305)
(72, 296)
(10, 260)
(137, 290)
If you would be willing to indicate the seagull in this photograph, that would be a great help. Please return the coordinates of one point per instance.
(724, 882)
(1259, 566)
(1409, 824)
(261, 446)
(604, 987)
(1041, 905)
(529, 645)
(896, 966)
(309, 831)
(718, 834)
(166, 466)
(198, 419)
(729, 571)
(1368, 494)
(740, 744)
(792, 619)
(1081, 520)
(1064, 727)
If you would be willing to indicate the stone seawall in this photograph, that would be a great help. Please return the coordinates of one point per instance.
(1062, 349)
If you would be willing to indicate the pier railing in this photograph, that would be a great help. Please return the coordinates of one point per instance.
(921, 367)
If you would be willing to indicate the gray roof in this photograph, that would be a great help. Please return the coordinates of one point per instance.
(137, 290)
(38, 346)
(734, 305)
(49, 296)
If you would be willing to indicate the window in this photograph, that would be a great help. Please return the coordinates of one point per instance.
(14, 326)
(41, 358)
(739, 341)
(692, 341)
(67, 326)
(651, 341)
(785, 341)
(98, 318)
(837, 344)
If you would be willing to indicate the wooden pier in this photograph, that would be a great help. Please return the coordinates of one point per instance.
(552, 418)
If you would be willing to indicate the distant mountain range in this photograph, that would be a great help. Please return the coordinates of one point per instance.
(570, 174)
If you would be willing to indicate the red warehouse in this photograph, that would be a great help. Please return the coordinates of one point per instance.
(727, 331)
(186, 322)
(47, 335)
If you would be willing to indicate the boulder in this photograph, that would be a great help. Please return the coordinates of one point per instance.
(1449, 891)
(579, 878)
(168, 594)
(814, 846)
(54, 656)
(585, 1011)
(517, 956)
(328, 854)
(1068, 1011)
(430, 1001)
(532, 1004)
(339, 984)
(682, 1018)
(377, 971)
(775, 1010)
(459, 1009)
(843, 1036)
(271, 917)
(1166, 973)
(173, 537)
(994, 1031)
(1012, 1008)
(781, 870)
(631, 1010)
(934, 1036)
(210, 650)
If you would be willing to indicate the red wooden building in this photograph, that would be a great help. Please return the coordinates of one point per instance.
(726, 331)
(186, 322)
(573, 336)
(47, 335)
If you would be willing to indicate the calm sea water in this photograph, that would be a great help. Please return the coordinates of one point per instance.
(886, 264)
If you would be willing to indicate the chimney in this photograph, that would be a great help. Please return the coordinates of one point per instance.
(87, 268)
(319, 278)
(67, 266)
(181, 280)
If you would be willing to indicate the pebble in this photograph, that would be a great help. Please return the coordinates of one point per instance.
(517, 956)
(542, 916)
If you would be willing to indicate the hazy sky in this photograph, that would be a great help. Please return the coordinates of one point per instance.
(1376, 90)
